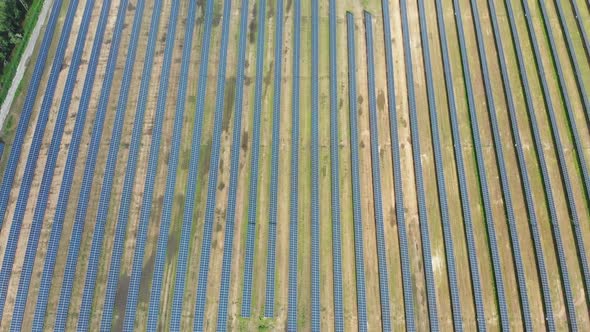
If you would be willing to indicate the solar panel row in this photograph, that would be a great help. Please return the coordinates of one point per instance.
(359, 251)
(417, 156)
(35, 149)
(27, 110)
(274, 171)
(213, 174)
(151, 173)
(167, 206)
(99, 227)
(524, 174)
(254, 163)
(463, 187)
(187, 219)
(294, 198)
(506, 193)
(376, 176)
(70, 166)
(230, 215)
(564, 173)
(482, 174)
(335, 174)
(440, 173)
(315, 169)
(397, 173)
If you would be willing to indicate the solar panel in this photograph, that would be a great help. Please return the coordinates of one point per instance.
(43, 196)
(31, 165)
(417, 156)
(234, 174)
(187, 220)
(463, 188)
(253, 190)
(491, 230)
(176, 143)
(397, 173)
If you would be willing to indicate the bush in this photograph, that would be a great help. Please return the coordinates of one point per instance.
(17, 20)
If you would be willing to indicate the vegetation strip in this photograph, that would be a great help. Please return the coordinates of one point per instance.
(152, 167)
(463, 188)
(397, 174)
(35, 149)
(417, 156)
(274, 172)
(45, 187)
(294, 202)
(27, 110)
(230, 215)
(335, 175)
(254, 163)
(361, 295)
(191, 188)
(175, 145)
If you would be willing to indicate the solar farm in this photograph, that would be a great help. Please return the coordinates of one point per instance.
(260, 165)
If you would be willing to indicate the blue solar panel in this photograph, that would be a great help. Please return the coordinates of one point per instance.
(440, 174)
(572, 122)
(463, 189)
(361, 296)
(512, 228)
(376, 176)
(315, 170)
(76, 237)
(584, 34)
(274, 172)
(111, 163)
(417, 156)
(198, 324)
(27, 110)
(187, 221)
(176, 143)
(335, 175)
(253, 190)
(562, 163)
(537, 242)
(152, 167)
(397, 174)
(294, 204)
(131, 168)
(230, 214)
(43, 196)
(29, 172)
(483, 180)
(573, 58)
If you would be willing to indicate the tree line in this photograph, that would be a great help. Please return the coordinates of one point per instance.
(12, 16)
